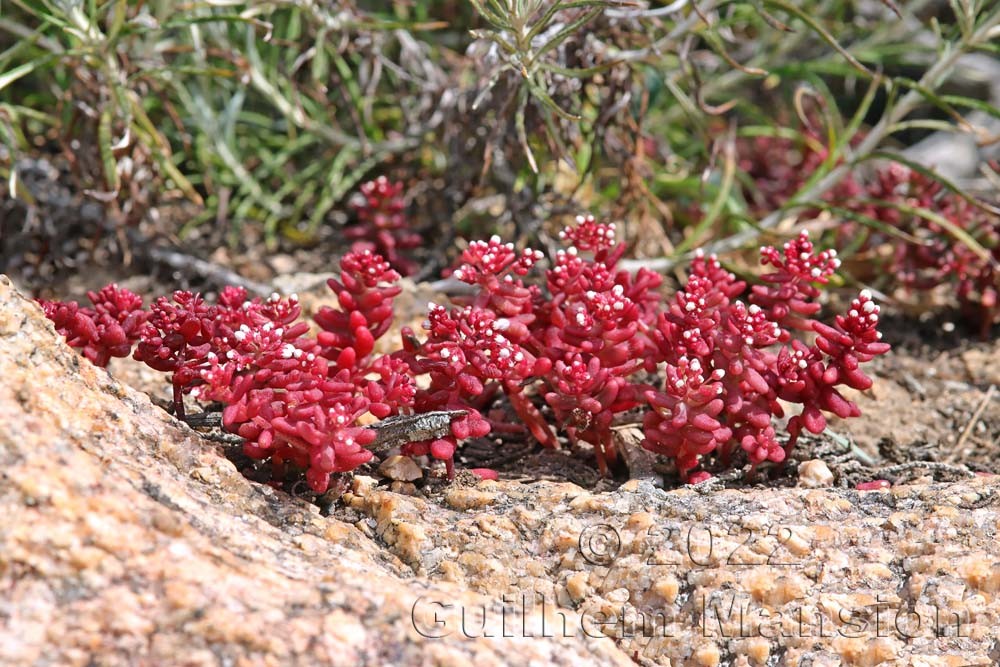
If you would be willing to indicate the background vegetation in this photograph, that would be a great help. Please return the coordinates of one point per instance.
(252, 124)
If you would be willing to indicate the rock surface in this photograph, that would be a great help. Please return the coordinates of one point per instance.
(908, 576)
(129, 540)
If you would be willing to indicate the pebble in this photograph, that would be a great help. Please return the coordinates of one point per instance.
(815, 474)
(401, 469)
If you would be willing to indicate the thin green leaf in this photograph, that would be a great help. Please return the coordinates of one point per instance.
(562, 35)
(716, 43)
(821, 31)
(978, 105)
(160, 148)
(105, 142)
(340, 183)
(544, 98)
(188, 21)
(956, 232)
(543, 22)
(718, 203)
(522, 135)
(387, 24)
(9, 77)
(120, 13)
(320, 66)
(497, 39)
(861, 112)
(579, 72)
(927, 124)
(489, 14)
(16, 111)
(932, 97)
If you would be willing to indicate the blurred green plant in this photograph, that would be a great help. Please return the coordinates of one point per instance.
(260, 112)
(863, 79)
(527, 34)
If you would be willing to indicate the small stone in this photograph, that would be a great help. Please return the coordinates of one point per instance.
(980, 572)
(641, 521)
(403, 488)
(864, 652)
(707, 655)
(363, 485)
(795, 543)
(452, 571)
(876, 571)
(576, 586)
(815, 474)
(367, 419)
(467, 499)
(618, 596)
(401, 468)
(283, 263)
(758, 649)
(667, 588)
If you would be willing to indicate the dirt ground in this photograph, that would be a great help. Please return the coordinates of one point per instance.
(935, 397)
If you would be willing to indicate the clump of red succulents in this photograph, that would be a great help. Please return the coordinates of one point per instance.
(935, 255)
(729, 363)
(472, 351)
(185, 336)
(922, 254)
(586, 342)
(595, 329)
(107, 330)
(293, 398)
(575, 343)
(298, 399)
(382, 225)
(572, 353)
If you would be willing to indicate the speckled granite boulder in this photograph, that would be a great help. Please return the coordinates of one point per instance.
(128, 540)
(792, 577)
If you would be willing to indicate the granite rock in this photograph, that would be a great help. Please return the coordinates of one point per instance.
(791, 576)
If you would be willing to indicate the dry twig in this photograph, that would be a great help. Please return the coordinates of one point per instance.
(967, 431)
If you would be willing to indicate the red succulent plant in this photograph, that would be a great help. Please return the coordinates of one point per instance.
(572, 353)
(933, 236)
(107, 330)
(382, 225)
(729, 363)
